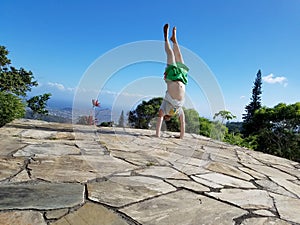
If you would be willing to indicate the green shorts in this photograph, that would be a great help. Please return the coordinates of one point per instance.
(177, 72)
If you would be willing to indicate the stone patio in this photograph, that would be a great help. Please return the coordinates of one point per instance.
(64, 174)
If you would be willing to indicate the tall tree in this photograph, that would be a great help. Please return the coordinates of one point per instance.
(14, 86)
(121, 120)
(255, 104)
(278, 130)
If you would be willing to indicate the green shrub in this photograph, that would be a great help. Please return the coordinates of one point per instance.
(11, 107)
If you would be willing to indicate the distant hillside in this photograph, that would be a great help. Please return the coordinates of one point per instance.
(66, 115)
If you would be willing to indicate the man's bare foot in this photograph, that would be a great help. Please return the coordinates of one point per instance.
(173, 38)
(166, 31)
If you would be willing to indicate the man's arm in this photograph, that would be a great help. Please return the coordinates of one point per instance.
(182, 125)
(159, 122)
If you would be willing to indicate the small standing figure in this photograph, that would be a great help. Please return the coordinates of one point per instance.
(176, 78)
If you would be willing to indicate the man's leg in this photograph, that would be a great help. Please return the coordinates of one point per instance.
(168, 49)
(176, 50)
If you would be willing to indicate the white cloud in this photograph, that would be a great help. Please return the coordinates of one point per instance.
(60, 87)
(271, 79)
(57, 85)
(243, 96)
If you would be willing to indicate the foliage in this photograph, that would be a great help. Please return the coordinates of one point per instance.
(85, 120)
(17, 82)
(237, 139)
(224, 115)
(121, 120)
(107, 124)
(173, 124)
(255, 104)
(11, 107)
(205, 126)
(144, 113)
(218, 131)
(38, 104)
(192, 123)
(278, 130)
(234, 127)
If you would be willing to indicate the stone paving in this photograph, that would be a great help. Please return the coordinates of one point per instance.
(65, 174)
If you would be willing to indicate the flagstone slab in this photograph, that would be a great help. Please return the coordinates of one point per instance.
(287, 207)
(269, 171)
(184, 208)
(40, 196)
(48, 149)
(263, 212)
(162, 172)
(270, 159)
(191, 169)
(188, 160)
(292, 171)
(228, 170)
(246, 199)
(253, 173)
(274, 187)
(208, 183)
(76, 168)
(9, 145)
(22, 176)
(63, 136)
(56, 213)
(225, 180)
(37, 134)
(168, 157)
(91, 148)
(120, 191)
(188, 184)
(138, 158)
(22, 218)
(264, 221)
(91, 214)
(288, 185)
(10, 166)
(245, 157)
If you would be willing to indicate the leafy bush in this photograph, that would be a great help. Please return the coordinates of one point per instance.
(11, 107)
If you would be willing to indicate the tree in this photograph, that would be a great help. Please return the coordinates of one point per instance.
(205, 126)
(144, 113)
(278, 130)
(38, 104)
(121, 120)
(11, 107)
(14, 85)
(255, 104)
(225, 115)
(192, 123)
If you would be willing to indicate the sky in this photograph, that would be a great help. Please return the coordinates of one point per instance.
(113, 50)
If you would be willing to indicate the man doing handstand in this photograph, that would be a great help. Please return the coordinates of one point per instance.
(176, 78)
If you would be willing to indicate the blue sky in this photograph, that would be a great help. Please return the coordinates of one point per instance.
(60, 40)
